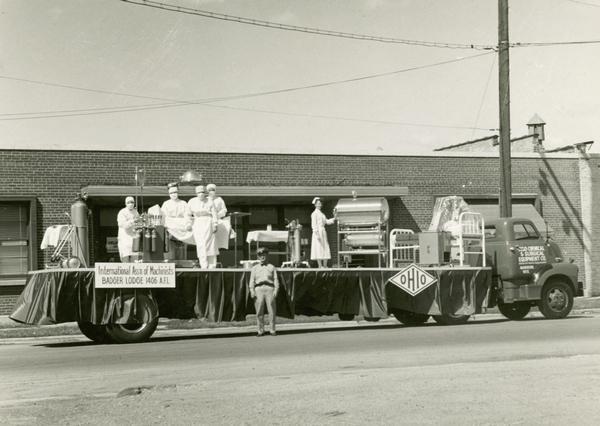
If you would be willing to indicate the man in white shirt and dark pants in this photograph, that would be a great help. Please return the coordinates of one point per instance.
(263, 288)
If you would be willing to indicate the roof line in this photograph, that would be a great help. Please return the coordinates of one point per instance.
(466, 143)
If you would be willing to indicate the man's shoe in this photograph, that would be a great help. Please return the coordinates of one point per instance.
(272, 333)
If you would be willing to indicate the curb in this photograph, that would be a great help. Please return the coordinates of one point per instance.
(73, 335)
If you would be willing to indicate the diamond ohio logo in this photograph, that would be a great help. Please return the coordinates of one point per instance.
(413, 279)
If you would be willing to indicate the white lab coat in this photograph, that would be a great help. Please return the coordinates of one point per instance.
(202, 215)
(319, 247)
(223, 224)
(126, 219)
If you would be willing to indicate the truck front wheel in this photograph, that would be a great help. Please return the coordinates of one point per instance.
(514, 311)
(410, 318)
(557, 300)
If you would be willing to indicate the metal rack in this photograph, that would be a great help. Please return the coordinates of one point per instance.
(362, 228)
(471, 236)
(404, 247)
(70, 240)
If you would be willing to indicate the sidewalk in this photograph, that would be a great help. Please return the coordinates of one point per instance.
(10, 329)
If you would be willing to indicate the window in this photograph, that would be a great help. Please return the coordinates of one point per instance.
(524, 231)
(490, 231)
(14, 238)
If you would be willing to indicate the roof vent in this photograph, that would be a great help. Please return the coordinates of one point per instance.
(536, 126)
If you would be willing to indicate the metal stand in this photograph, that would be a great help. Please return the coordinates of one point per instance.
(71, 240)
(235, 215)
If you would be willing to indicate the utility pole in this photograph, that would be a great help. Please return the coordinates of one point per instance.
(504, 97)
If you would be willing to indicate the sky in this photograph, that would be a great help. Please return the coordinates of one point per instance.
(112, 75)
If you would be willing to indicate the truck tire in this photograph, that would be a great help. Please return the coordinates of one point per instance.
(95, 332)
(514, 311)
(557, 300)
(410, 318)
(136, 333)
(451, 319)
(346, 317)
(372, 319)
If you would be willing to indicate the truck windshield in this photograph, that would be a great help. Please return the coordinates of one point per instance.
(490, 231)
(525, 231)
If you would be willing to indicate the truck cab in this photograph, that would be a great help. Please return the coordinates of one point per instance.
(528, 270)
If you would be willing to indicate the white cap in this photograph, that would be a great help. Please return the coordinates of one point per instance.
(200, 188)
(211, 187)
(314, 201)
(128, 199)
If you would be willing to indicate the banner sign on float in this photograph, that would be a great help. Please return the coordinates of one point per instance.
(134, 275)
(413, 279)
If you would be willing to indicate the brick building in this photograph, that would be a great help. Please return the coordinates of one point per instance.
(39, 187)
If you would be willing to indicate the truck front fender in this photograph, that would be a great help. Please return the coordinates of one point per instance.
(564, 271)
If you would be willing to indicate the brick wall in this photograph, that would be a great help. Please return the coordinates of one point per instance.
(54, 177)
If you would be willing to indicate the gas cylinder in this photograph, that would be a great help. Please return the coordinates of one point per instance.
(79, 220)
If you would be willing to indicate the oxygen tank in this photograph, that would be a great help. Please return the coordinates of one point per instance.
(79, 220)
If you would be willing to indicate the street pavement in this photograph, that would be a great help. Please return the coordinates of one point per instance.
(490, 371)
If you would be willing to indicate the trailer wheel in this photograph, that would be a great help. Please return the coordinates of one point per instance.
(557, 300)
(451, 319)
(136, 333)
(95, 332)
(371, 319)
(346, 317)
(514, 311)
(410, 318)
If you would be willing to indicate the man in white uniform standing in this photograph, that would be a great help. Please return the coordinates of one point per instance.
(173, 212)
(223, 223)
(202, 219)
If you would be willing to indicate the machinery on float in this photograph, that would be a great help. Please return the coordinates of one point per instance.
(362, 228)
(70, 242)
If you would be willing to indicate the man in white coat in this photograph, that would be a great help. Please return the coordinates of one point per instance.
(223, 223)
(202, 219)
(173, 213)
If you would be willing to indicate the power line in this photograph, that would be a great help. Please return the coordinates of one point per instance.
(355, 36)
(85, 89)
(553, 43)
(333, 117)
(176, 103)
(487, 83)
(229, 107)
(584, 3)
(310, 30)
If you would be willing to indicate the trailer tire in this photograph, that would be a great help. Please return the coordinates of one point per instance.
(514, 311)
(371, 319)
(410, 318)
(346, 317)
(97, 333)
(557, 300)
(451, 319)
(136, 333)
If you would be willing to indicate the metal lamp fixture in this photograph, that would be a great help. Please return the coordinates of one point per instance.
(190, 177)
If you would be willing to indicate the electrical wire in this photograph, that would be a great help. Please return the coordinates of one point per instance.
(333, 117)
(318, 31)
(584, 3)
(310, 30)
(229, 107)
(175, 103)
(554, 43)
(487, 84)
